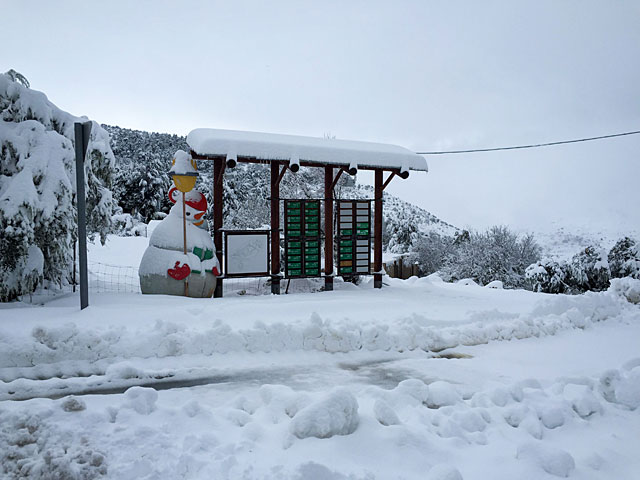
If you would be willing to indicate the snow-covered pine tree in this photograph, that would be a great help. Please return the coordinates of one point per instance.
(37, 188)
(548, 276)
(142, 161)
(624, 259)
(589, 270)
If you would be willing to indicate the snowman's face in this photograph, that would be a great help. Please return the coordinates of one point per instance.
(193, 215)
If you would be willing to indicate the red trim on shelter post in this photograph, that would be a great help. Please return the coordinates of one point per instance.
(377, 230)
(328, 227)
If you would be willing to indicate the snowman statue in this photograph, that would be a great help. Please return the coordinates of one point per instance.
(180, 258)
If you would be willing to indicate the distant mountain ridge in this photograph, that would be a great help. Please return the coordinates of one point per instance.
(247, 188)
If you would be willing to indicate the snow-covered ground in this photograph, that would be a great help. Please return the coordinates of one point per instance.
(421, 379)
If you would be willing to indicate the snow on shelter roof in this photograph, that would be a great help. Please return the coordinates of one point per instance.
(296, 149)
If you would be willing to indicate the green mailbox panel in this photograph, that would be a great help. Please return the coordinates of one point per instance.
(302, 238)
(353, 239)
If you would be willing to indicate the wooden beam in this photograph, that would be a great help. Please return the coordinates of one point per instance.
(282, 172)
(329, 183)
(389, 178)
(276, 176)
(218, 197)
(377, 230)
(335, 180)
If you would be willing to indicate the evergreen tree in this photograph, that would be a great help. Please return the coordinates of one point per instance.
(548, 276)
(589, 270)
(37, 188)
(624, 259)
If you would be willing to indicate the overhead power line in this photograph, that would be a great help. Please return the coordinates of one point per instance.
(535, 145)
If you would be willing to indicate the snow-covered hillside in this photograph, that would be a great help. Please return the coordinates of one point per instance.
(561, 242)
(420, 380)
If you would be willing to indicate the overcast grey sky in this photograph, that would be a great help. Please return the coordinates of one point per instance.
(422, 74)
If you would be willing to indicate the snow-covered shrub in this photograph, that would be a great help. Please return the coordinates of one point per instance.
(624, 259)
(497, 254)
(548, 276)
(37, 188)
(127, 225)
(589, 270)
(431, 251)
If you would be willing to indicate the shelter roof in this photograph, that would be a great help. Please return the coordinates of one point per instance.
(211, 142)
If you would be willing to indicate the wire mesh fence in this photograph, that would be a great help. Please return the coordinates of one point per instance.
(102, 277)
(108, 278)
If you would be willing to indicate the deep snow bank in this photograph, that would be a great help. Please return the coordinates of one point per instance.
(106, 339)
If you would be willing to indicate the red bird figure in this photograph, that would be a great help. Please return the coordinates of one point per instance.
(179, 273)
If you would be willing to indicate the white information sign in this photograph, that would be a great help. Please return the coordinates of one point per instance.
(247, 253)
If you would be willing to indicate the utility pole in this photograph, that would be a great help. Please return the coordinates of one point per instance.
(82, 134)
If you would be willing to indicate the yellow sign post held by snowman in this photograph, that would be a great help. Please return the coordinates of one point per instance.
(184, 172)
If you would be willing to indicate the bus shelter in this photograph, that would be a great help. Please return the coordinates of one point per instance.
(287, 153)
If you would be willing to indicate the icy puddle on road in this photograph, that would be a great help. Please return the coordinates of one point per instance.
(384, 371)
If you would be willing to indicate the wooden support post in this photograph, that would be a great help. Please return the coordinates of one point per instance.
(275, 227)
(377, 230)
(218, 187)
(184, 239)
(328, 228)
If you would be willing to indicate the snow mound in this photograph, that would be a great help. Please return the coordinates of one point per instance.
(443, 471)
(123, 370)
(385, 414)
(582, 400)
(141, 399)
(442, 394)
(627, 389)
(51, 343)
(73, 404)
(497, 284)
(628, 288)
(336, 414)
(32, 448)
(552, 460)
